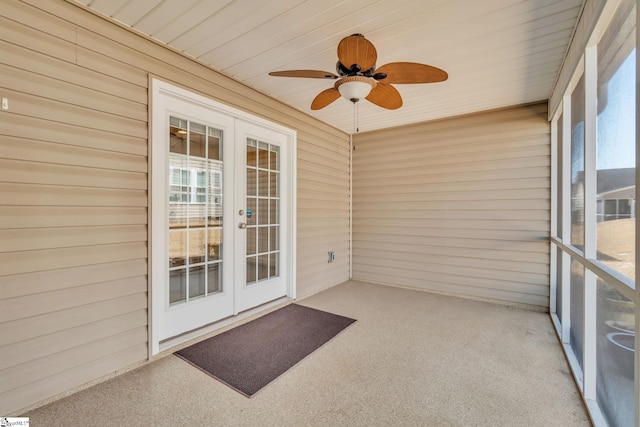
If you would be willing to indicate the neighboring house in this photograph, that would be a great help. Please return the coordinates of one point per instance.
(616, 194)
(615, 198)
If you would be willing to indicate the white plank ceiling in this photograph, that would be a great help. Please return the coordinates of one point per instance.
(498, 53)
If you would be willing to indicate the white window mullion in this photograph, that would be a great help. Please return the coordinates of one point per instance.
(590, 327)
(553, 257)
(590, 88)
(590, 288)
(553, 278)
(566, 218)
(637, 243)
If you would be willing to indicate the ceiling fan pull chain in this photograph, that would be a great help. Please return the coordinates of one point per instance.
(355, 117)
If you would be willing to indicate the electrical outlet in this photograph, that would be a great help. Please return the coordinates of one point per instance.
(5, 104)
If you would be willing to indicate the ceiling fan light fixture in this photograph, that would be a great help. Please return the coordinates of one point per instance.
(355, 88)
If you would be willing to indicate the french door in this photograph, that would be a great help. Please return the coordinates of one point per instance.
(260, 201)
(221, 214)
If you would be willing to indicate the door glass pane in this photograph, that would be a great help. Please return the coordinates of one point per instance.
(577, 311)
(263, 183)
(214, 150)
(263, 239)
(197, 246)
(273, 184)
(273, 212)
(262, 233)
(178, 192)
(263, 267)
(274, 240)
(616, 142)
(251, 241)
(197, 140)
(577, 165)
(214, 201)
(251, 181)
(214, 244)
(197, 282)
(177, 248)
(177, 286)
(251, 269)
(214, 278)
(263, 155)
(252, 159)
(195, 210)
(615, 341)
(263, 211)
(274, 158)
(178, 136)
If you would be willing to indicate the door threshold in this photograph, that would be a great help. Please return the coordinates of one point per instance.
(176, 343)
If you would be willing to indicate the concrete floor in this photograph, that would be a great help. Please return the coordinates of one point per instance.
(411, 359)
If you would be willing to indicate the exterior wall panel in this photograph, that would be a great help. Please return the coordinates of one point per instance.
(458, 205)
(74, 180)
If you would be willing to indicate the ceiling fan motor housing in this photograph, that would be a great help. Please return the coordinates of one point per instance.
(354, 70)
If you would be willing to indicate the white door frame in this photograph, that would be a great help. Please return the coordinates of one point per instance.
(157, 247)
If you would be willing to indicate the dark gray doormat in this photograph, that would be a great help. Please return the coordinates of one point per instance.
(250, 356)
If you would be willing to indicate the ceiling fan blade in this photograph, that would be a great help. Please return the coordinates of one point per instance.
(355, 49)
(386, 96)
(411, 72)
(325, 98)
(310, 74)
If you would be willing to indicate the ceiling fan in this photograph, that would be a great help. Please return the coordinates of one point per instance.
(359, 78)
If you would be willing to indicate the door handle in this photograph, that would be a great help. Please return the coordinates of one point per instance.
(242, 226)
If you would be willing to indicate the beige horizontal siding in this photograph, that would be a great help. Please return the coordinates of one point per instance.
(46, 281)
(451, 247)
(29, 372)
(44, 130)
(470, 188)
(63, 216)
(33, 38)
(70, 93)
(35, 62)
(56, 321)
(52, 343)
(73, 175)
(20, 194)
(111, 361)
(49, 174)
(54, 110)
(30, 150)
(69, 237)
(458, 205)
(52, 259)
